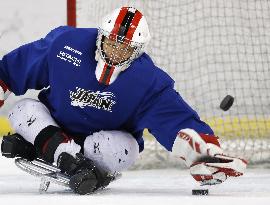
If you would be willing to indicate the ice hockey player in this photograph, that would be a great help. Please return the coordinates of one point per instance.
(100, 90)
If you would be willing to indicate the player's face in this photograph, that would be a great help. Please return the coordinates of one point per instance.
(116, 52)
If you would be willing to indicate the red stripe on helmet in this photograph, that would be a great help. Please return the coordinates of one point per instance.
(110, 75)
(135, 22)
(103, 72)
(118, 22)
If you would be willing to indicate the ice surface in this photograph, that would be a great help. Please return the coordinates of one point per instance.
(156, 187)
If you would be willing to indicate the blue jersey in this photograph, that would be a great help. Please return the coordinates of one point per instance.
(63, 65)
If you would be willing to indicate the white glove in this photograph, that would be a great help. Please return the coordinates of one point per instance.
(4, 93)
(203, 154)
(215, 170)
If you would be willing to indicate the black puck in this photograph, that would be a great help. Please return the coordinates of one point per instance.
(199, 191)
(226, 103)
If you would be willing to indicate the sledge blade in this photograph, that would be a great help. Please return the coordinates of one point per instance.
(47, 172)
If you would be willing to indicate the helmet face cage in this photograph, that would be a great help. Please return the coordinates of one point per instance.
(120, 48)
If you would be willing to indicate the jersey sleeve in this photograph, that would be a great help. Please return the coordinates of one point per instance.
(27, 67)
(165, 114)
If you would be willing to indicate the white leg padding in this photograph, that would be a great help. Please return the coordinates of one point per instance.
(113, 151)
(28, 117)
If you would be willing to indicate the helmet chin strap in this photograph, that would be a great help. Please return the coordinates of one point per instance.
(105, 73)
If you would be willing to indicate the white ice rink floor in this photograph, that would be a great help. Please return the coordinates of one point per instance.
(151, 187)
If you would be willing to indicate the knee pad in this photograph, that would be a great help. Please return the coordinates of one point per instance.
(28, 117)
(113, 151)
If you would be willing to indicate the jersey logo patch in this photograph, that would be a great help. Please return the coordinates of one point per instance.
(70, 55)
(96, 99)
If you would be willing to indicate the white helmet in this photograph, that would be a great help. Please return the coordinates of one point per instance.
(125, 31)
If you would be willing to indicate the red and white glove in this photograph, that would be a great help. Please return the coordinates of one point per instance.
(4, 92)
(203, 155)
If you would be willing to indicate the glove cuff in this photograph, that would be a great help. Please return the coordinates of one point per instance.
(190, 146)
(212, 139)
(3, 86)
(4, 92)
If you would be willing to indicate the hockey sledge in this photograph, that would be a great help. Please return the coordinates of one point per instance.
(48, 173)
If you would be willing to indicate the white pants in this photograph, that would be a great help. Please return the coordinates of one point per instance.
(113, 151)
